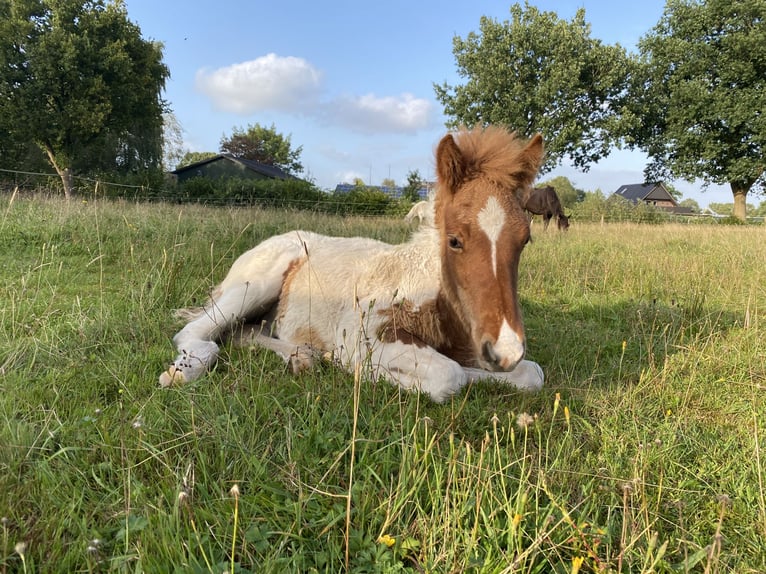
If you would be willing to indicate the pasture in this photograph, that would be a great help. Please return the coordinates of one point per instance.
(642, 453)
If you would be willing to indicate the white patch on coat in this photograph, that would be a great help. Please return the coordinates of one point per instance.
(491, 221)
(509, 346)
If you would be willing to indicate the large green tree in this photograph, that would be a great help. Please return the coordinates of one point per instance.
(697, 105)
(264, 145)
(539, 73)
(78, 80)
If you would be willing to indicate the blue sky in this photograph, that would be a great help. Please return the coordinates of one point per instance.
(352, 81)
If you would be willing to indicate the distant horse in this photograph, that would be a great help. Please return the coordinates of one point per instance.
(544, 201)
(430, 314)
(422, 210)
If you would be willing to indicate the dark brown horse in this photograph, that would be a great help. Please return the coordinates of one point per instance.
(544, 201)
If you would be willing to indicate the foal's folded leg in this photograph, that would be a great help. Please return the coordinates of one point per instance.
(298, 357)
(417, 368)
(527, 376)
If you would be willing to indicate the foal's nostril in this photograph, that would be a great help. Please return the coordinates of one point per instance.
(488, 352)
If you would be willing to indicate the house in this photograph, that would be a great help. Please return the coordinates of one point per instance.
(225, 165)
(652, 194)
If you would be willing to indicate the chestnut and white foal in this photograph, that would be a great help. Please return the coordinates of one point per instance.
(430, 315)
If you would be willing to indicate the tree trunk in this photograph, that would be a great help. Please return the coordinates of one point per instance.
(64, 173)
(740, 200)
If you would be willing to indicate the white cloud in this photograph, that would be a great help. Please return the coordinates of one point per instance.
(292, 85)
(371, 114)
(270, 82)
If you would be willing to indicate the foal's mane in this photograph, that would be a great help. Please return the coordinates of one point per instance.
(495, 154)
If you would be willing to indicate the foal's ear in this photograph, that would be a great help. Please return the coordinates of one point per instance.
(450, 165)
(531, 159)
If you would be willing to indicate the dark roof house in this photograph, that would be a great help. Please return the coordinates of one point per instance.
(224, 165)
(653, 194)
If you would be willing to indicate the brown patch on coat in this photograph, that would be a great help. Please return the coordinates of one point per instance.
(432, 324)
(309, 336)
(287, 278)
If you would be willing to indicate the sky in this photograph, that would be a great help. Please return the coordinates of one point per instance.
(351, 82)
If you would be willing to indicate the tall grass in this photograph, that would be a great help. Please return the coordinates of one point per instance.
(642, 454)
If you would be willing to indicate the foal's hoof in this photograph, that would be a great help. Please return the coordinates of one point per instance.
(173, 376)
(302, 359)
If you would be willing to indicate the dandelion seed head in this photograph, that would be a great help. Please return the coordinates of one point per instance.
(723, 499)
(20, 548)
(523, 420)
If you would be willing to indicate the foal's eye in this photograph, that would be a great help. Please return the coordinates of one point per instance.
(454, 243)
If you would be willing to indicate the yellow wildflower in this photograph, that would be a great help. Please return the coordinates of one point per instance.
(387, 540)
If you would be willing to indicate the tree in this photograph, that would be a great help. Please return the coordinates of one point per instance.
(264, 145)
(413, 187)
(697, 102)
(77, 79)
(691, 204)
(191, 157)
(173, 150)
(674, 193)
(538, 73)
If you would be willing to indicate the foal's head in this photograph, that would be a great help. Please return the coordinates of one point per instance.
(483, 231)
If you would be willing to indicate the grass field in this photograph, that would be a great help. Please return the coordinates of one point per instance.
(642, 454)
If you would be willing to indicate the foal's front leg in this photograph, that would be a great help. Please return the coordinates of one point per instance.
(527, 376)
(416, 368)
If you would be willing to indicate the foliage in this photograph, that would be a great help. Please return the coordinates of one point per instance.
(264, 145)
(172, 142)
(295, 193)
(414, 185)
(77, 79)
(641, 454)
(691, 204)
(191, 157)
(361, 200)
(538, 73)
(699, 89)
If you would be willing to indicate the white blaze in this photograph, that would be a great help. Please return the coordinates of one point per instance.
(491, 221)
(508, 345)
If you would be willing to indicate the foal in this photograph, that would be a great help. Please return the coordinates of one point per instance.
(544, 201)
(430, 314)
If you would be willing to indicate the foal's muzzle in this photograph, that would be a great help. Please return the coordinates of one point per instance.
(494, 362)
